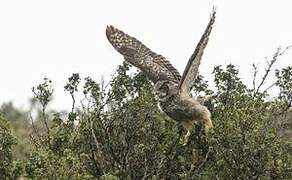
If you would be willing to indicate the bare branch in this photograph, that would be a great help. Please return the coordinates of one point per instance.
(33, 127)
(270, 64)
(35, 143)
(44, 118)
(255, 72)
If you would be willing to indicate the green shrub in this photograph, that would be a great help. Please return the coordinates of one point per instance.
(6, 143)
(118, 132)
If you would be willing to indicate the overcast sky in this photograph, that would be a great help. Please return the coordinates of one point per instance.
(59, 37)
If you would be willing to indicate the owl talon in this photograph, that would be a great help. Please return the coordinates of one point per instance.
(208, 126)
(186, 138)
(185, 142)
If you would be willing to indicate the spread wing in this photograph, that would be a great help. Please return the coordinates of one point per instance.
(155, 66)
(192, 68)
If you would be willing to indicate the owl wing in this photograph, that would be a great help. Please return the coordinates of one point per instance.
(155, 66)
(192, 68)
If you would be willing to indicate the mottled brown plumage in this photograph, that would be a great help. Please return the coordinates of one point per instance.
(171, 90)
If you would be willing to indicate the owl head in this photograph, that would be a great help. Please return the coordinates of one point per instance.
(165, 89)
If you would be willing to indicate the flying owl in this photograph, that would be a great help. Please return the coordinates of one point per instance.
(170, 88)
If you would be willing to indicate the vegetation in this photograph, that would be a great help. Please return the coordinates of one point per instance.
(118, 132)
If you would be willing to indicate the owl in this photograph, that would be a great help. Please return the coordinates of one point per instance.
(171, 90)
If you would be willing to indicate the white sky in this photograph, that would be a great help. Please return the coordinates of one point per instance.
(59, 37)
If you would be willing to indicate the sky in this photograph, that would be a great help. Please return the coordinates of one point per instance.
(56, 38)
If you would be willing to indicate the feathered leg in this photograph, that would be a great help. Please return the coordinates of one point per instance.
(208, 124)
(188, 125)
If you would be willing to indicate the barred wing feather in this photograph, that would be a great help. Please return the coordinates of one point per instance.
(192, 68)
(155, 66)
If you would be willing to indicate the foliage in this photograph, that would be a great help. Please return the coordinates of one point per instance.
(6, 142)
(118, 132)
(20, 128)
(44, 164)
(284, 81)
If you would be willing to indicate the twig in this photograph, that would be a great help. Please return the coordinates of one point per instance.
(73, 102)
(95, 139)
(33, 127)
(272, 85)
(255, 72)
(163, 160)
(195, 171)
(270, 65)
(47, 126)
(224, 157)
(36, 144)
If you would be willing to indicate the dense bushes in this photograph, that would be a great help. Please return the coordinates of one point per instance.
(6, 142)
(117, 132)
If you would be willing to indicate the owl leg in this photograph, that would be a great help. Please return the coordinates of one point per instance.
(208, 124)
(188, 125)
